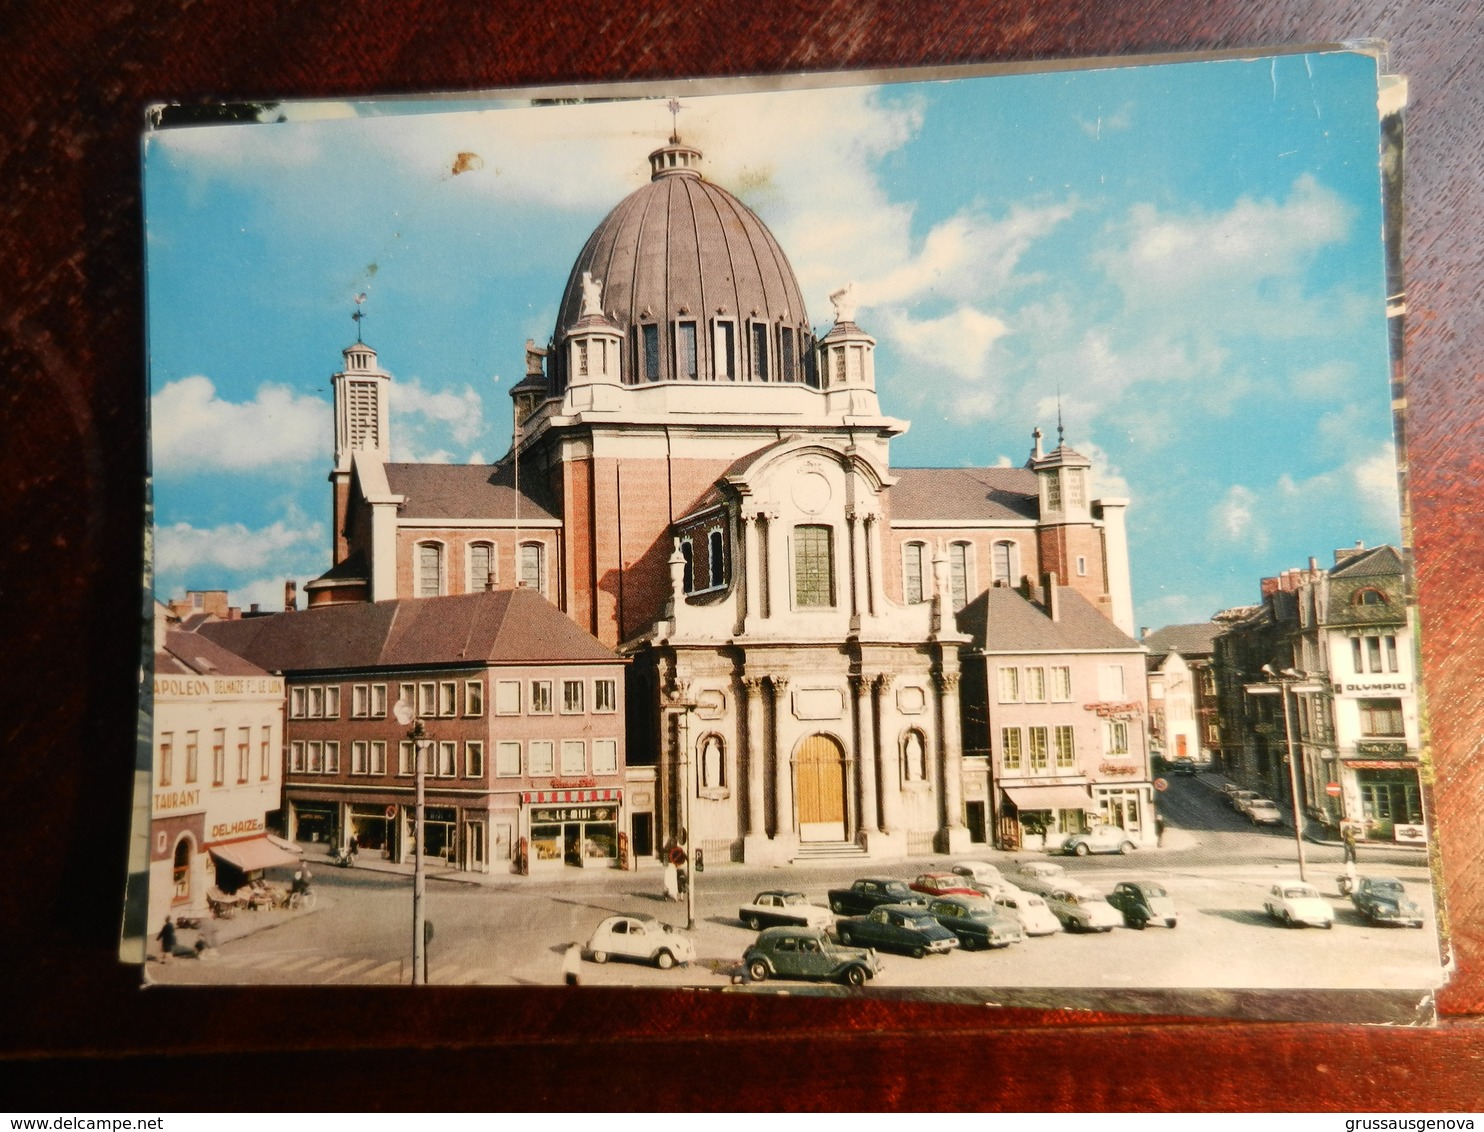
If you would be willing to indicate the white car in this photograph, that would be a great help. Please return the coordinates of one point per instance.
(1040, 877)
(1082, 910)
(778, 908)
(640, 937)
(1035, 918)
(983, 877)
(1262, 811)
(1294, 903)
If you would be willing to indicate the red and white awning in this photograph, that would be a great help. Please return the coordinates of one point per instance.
(570, 797)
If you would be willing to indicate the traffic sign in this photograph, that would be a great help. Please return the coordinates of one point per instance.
(1333, 789)
(1161, 784)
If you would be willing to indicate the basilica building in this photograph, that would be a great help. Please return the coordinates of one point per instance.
(705, 486)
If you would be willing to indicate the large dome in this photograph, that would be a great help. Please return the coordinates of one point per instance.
(694, 281)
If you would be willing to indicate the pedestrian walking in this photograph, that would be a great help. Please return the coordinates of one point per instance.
(1159, 831)
(572, 965)
(1349, 839)
(167, 940)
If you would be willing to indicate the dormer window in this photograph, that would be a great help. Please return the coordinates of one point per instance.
(1370, 597)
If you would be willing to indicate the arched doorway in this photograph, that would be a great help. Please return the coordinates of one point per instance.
(180, 872)
(819, 771)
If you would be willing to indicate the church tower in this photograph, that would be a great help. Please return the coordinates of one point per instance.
(361, 426)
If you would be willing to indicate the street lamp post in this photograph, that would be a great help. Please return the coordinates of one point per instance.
(1281, 684)
(407, 715)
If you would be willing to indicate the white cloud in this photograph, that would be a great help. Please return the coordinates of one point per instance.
(193, 430)
(182, 550)
(1375, 478)
(1234, 517)
(959, 343)
(459, 411)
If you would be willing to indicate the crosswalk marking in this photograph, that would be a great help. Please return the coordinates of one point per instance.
(355, 966)
(381, 973)
(288, 968)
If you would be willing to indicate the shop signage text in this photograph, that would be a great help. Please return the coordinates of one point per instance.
(572, 783)
(1116, 710)
(218, 686)
(231, 829)
(1117, 769)
(1367, 689)
(1380, 747)
(177, 800)
(572, 813)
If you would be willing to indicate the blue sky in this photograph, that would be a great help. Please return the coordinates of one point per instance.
(1190, 253)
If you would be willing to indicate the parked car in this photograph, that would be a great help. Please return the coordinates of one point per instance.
(1099, 839)
(868, 892)
(984, 877)
(898, 927)
(1227, 790)
(1384, 900)
(1294, 903)
(942, 884)
(1082, 910)
(1184, 766)
(1035, 918)
(807, 953)
(1142, 902)
(976, 921)
(1040, 877)
(1240, 798)
(777, 908)
(640, 937)
(1263, 811)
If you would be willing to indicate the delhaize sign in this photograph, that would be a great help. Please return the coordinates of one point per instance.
(190, 687)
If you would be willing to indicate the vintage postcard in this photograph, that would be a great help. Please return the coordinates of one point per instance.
(930, 534)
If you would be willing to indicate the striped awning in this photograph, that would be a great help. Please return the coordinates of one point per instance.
(253, 855)
(1050, 797)
(567, 797)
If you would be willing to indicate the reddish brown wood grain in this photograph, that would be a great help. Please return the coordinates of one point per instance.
(76, 79)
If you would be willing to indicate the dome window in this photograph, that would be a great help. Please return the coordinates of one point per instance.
(649, 335)
(685, 351)
(787, 358)
(724, 348)
(760, 351)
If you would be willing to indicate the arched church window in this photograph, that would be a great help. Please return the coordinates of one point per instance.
(481, 567)
(814, 567)
(533, 567)
(914, 757)
(958, 574)
(429, 569)
(1004, 563)
(717, 573)
(912, 555)
(712, 770)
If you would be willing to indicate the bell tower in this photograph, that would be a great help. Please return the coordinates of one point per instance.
(361, 391)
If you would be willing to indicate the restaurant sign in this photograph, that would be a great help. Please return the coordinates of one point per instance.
(572, 813)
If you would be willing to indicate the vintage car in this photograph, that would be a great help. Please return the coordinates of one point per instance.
(778, 908)
(1035, 918)
(1082, 910)
(982, 876)
(1185, 766)
(898, 927)
(1040, 877)
(1099, 839)
(868, 892)
(1262, 811)
(807, 953)
(640, 937)
(976, 921)
(1142, 902)
(1294, 903)
(1384, 900)
(943, 884)
(1240, 798)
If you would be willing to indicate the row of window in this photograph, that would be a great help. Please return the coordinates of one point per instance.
(768, 357)
(1374, 654)
(714, 563)
(512, 757)
(448, 699)
(481, 563)
(1076, 489)
(538, 696)
(1040, 748)
(962, 581)
(1029, 684)
(241, 764)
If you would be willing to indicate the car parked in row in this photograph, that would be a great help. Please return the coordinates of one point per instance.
(984, 877)
(807, 953)
(942, 884)
(1143, 902)
(640, 937)
(779, 908)
(1240, 798)
(869, 892)
(1294, 904)
(1035, 918)
(1384, 900)
(976, 921)
(1263, 811)
(1082, 910)
(898, 927)
(1100, 838)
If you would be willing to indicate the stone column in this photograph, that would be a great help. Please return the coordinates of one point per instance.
(757, 753)
(783, 786)
(866, 756)
(891, 774)
(751, 572)
(776, 567)
(855, 525)
(874, 590)
(955, 834)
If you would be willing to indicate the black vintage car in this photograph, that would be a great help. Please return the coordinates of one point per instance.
(977, 922)
(1384, 900)
(869, 892)
(807, 953)
(1142, 903)
(898, 927)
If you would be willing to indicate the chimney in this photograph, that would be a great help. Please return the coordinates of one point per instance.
(1025, 585)
(1269, 587)
(1053, 596)
(253, 608)
(290, 597)
(1143, 632)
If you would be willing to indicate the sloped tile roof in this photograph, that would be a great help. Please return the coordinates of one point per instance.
(1187, 640)
(497, 627)
(1001, 620)
(956, 494)
(462, 491)
(1375, 562)
(187, 653)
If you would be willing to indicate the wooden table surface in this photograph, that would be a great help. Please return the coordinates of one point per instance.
(76, 79)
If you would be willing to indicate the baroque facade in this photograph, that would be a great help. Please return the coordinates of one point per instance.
(704, 484)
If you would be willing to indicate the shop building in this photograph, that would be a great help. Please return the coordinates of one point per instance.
(522, 719)
(217, 770)
(1184, 723)
(1054, 708)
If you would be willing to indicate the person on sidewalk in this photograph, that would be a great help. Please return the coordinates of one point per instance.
(1349, 838)
(167, 940)
(572, 965)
